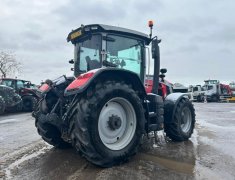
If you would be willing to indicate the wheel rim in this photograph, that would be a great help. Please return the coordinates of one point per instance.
(186, 119)
(117, 123)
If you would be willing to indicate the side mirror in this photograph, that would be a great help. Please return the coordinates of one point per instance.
(155, 48)
(71, 61)
(163, 71)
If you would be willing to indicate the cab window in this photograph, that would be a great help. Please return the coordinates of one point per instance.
(8, 83)
(124, 52)
(19, 84)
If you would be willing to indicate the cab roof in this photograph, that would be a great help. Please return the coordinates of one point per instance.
(95, 28)
(13, 79)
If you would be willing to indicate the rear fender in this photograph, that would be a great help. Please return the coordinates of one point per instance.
(82, 82)
(170, 104)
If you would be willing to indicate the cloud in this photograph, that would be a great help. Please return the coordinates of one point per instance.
(197, 36)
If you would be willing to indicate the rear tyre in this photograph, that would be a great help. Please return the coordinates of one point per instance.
(50, 133)
(19, 107)
(181, 127)
(107, 127)
(29, 103)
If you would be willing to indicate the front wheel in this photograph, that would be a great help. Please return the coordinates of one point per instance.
(181, 127)
(107, 127)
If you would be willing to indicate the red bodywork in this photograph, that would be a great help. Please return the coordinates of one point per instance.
(225, 89)
(162, 89)
(84, 78)
(81, 80)
(45, 87)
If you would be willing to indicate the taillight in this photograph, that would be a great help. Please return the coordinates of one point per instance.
(81, 80)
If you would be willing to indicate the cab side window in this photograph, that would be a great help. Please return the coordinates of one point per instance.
(19, 84)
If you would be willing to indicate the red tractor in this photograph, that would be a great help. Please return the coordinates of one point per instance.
(28, 92)
(105, 110)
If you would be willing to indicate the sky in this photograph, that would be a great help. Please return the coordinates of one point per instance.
(198, 36)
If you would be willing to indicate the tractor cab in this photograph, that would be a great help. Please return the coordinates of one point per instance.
(98, 46)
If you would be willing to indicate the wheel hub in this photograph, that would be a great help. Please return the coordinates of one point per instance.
(117, 123)
(186, 120)
(114, 122)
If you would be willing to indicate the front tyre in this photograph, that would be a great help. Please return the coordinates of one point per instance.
(108, 125)
(181, 127)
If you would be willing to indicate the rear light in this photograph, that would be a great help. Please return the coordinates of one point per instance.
(44, 87)
(81, 80)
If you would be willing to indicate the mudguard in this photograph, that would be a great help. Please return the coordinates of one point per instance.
(82, 82)
(170, 104)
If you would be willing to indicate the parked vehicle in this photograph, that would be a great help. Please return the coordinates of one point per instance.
(177, 87)
(232, 87)
(105, 110)
(28, 92)
(9, 100)
(214, 91)
(196, 93)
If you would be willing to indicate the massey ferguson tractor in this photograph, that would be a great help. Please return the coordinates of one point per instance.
(104, 111)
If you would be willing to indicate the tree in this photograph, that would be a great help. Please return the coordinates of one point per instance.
(9, 66)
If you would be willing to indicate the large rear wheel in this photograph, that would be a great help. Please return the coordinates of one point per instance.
(108, 125)
(181, 127)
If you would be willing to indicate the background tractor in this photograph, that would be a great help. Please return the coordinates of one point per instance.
(10, 101)
(105, 110)
(28, 92)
